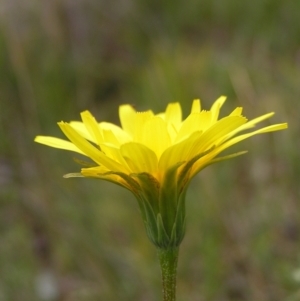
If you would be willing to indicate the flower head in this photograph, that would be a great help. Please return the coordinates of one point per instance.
(156, 155)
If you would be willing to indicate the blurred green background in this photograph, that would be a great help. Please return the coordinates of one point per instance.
(80, 239)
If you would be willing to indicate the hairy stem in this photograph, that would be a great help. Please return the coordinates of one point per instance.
(168, 259)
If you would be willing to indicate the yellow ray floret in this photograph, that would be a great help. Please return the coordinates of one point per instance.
(153, 143)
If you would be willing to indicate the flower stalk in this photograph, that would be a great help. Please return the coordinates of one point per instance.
(168, 259)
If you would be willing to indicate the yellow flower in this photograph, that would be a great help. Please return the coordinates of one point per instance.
(156, 155)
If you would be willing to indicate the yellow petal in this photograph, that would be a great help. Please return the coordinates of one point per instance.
(215, 109)
(119, 133)
(179, 152)
(238, 139)
(139, 157)
(248, 125)
(115, 154)
(92, 126)
(96, 170)
(173, 133)
(196, 106)
(88, 149)
(236, 112)
(127, 116)
(217, 133)
(155, 135)
(58, 143)
(194, 122)
(110, 138)
(271, 128)
(253, 122)
(174, 114)
(209, 158)
(140, 121)
(82, 130)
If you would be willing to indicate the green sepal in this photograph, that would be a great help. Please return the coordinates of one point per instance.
(163, 240)
(180, 220)
(162, 205)
(168, 197)
(149, 187)
(149, 218)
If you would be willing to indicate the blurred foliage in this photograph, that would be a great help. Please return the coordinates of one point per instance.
(82, 239)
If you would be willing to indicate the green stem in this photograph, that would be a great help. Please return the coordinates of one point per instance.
(168, 259)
